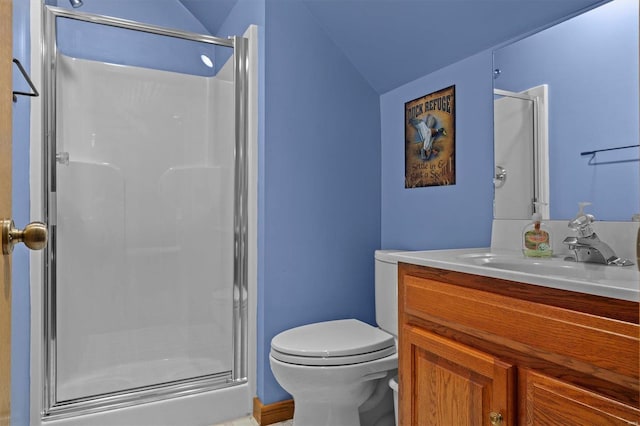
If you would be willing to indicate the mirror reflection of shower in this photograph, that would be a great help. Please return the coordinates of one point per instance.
(76, 3)
(521, 153)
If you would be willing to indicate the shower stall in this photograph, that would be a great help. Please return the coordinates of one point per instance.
(144, 183)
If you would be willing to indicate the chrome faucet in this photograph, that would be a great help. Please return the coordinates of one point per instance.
(587, 247)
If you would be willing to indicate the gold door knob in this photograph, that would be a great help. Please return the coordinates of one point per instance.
(33, 236)
(495, 418)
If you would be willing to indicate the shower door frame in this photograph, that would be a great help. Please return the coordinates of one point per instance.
(51, 408)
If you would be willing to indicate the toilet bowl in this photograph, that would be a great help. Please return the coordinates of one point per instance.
(337, 371)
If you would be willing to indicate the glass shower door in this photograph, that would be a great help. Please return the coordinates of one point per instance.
(145, 287)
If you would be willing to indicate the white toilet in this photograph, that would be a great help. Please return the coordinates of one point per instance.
(337, 371)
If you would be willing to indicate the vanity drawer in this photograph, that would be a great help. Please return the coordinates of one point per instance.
(548, 401)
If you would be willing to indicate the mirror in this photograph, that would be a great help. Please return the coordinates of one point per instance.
(572, 92)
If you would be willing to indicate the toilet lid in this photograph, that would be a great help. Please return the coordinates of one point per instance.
(340, 339)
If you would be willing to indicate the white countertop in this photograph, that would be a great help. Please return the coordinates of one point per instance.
(601, 280)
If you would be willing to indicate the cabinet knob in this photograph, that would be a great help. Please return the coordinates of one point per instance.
(495, 418)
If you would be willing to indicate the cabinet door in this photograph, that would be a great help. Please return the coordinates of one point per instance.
(446, 383)
(550, 402)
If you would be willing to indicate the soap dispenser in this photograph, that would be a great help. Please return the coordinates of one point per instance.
(536, 238)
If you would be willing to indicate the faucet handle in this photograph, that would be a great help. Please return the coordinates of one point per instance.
(571, 241)
(582, 224)
(574, 244)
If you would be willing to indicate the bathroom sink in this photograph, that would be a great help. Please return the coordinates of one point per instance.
(540, 267)
(602, 280)
(556, 266)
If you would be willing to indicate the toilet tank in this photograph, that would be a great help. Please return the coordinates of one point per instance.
(386, 283)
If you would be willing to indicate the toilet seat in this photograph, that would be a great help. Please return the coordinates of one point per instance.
(339, 342)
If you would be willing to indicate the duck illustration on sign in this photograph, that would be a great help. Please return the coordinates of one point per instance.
(426, 133)
(430, 139)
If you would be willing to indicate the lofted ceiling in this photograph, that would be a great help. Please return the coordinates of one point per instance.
(393, 42)
(211, 13)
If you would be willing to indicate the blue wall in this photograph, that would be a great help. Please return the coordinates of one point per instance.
(319, 175)
(322, 178)
(584, 116)
(439, 217)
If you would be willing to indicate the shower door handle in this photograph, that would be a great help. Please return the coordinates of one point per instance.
(34, 235)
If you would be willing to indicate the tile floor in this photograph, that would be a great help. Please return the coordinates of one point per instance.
(250, 421)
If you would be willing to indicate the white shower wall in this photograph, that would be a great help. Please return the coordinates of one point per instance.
(513, 151)
(144, 227)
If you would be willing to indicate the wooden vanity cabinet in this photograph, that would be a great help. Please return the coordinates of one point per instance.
(482, 351)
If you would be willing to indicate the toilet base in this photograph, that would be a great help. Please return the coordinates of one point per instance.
(310, 414)
(377, 410)
(318, 414)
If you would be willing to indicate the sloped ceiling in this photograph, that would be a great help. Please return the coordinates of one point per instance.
(211, 13)
(393, 42)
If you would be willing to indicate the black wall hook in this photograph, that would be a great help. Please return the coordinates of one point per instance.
(27, 79)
